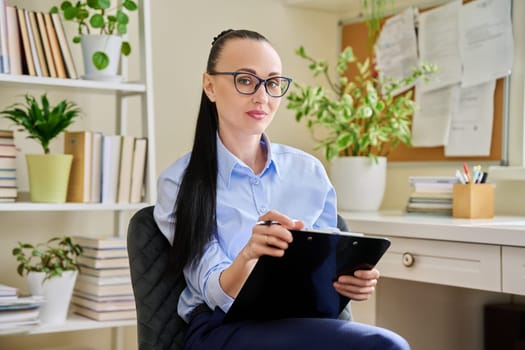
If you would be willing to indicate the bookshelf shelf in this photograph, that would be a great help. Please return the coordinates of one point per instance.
(120, 122)
(73, 323)
(25, 80)
(30, 206)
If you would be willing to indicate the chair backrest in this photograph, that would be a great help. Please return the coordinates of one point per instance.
(156, 290)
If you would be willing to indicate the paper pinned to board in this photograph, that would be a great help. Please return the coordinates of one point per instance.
(485, 41)
(471, 128)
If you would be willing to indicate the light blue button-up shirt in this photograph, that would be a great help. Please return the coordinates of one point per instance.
(292, 182)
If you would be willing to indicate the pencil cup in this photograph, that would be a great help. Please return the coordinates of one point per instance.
(473, 201)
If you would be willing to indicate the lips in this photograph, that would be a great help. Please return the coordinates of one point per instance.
(257, 114)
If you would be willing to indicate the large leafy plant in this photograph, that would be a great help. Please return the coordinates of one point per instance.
(358, 116)
(42, 121)
(57, 255)
(99, 16)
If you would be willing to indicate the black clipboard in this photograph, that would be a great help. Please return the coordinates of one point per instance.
(299, 284)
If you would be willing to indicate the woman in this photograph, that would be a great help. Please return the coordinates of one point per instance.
(211, 199)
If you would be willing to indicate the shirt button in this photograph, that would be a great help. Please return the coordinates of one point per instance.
(263, 210)
(255, 181)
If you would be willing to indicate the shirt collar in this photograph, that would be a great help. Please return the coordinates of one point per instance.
(227, 162)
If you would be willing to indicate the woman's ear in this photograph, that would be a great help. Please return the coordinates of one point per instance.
(208, 87)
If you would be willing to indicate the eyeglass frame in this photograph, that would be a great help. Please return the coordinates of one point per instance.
(260, 82)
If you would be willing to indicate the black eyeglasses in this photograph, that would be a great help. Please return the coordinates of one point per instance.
(248, 83)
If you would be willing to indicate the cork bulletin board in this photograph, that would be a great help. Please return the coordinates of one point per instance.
(355, 35)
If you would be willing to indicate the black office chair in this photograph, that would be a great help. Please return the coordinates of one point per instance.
(156, 290)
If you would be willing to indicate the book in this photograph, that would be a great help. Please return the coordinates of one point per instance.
(138, 170)
(105, 253)
(14, 47)
(7, 291)
(104, 290)
(7, 134)
(101, 242)
(7, 163)
(86, 270)
(32, 43)
(110, 167)
(105, 315)
(64, 46)
(103, 263)
(4, 53)
(7, 181)
(24, 34)
(42, 31)
(38, 43)
(79, 144)
(110, 305)
(8, 192)
(55, 47)
(103, 281)
(96, 167)
(126, 162)
(19, 315)
(7, 150)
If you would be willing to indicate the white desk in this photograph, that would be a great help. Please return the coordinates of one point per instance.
(485, 254)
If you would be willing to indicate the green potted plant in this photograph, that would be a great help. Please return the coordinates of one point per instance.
(51, 270)
(356, 118)
(48, 173)
(100, 27)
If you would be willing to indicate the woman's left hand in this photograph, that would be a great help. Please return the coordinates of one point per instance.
(358, 287)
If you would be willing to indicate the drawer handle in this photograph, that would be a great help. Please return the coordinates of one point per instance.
(408, 259)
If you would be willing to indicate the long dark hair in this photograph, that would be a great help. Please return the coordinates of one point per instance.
(195, 220)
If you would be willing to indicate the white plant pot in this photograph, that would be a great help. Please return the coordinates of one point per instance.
(56, 292)
(359, 182)
(109, 44)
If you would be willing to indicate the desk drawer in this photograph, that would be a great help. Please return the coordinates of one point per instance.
(513, 269)
(442, 262)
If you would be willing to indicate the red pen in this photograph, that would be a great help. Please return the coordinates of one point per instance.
(465, 169)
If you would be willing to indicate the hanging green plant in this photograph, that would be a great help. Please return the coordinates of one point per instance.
(374, 11)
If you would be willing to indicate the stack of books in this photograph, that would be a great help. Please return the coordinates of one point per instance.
(106, 168)
(431, 194)
(103, 289)
(17, 312)
(8, 189)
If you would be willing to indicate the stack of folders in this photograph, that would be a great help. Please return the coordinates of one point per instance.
(431, 194)
(106, 168)
(17, 313)
(103, 289)
(8, 189)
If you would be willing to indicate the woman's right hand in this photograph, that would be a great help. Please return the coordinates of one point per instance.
(265, 240)
(271, 239)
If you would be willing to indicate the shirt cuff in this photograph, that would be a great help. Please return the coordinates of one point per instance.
(215, 294)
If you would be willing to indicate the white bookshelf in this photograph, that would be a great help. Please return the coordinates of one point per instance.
(143, 88)
(73, 323)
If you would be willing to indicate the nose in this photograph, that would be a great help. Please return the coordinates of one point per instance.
(260, 95)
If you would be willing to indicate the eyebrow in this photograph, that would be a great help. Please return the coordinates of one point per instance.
(249, 70)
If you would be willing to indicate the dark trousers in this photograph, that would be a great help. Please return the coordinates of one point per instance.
(208, 332)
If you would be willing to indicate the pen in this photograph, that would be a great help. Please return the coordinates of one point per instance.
(465, 169)
(268, 222)
(459, 176)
